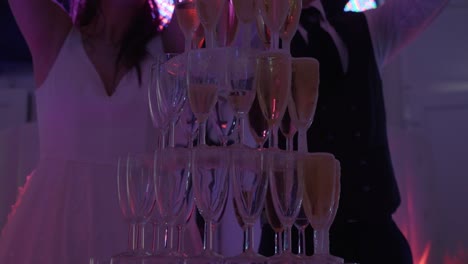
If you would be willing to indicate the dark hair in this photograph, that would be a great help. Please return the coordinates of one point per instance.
(143, 28)
(334, 7)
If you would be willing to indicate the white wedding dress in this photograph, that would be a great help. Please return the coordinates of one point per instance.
(68, 210)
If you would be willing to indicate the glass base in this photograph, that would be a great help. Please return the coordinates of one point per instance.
(129, 257)
(158, 259)
(206, 257)
(247, 258)
(285, 258)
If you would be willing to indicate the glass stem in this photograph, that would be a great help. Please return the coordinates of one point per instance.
(172, 134)
(166, 237)
(188, 43)
(275, 40)
(301, 250)
(140, 237)
(202, 133)
(289, 143)
(302, 144)
(276, 243)
(210, 38)
(320, 240)
(248, 239)
(158, 138)
(162, 144)
(280, 242)
(180, 235)
(287, 239)
(240, 128)
(171, 238)
(132, 237)
(274, 137)
(155, 244)
(286, 45)
(208, 236)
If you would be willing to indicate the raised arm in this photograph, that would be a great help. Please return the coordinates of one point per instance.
(44, 26)
(397, 22)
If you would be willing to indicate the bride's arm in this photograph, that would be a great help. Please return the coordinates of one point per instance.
(44, 26)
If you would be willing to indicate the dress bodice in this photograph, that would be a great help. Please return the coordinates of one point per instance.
(77, 119)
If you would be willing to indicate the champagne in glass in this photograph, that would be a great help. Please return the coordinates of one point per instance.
(209, 12)
(289, 27)
(274, 13)
(187, 17)
(202, 99)
(304, 94)
(273, 82)
(206, 73)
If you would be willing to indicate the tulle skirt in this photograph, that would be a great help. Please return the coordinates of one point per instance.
(66, 213)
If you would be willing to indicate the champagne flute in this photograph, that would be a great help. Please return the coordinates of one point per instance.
(246, 11)
(124, 203)
(211, 187)
(159, 119)
(258, 125)
(289, 27)
(171, 89)
(137, 199)
(274, 14)
(273, 85)
(209, 12)
(241, 72)
(321, 243)
(304, 94)
(228, 25)
(287, 191)
(320, 180)
(171, 175)
(187, 17)
(206, 74)
(249, 181)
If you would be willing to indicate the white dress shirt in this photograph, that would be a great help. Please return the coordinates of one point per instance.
(392, 26)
